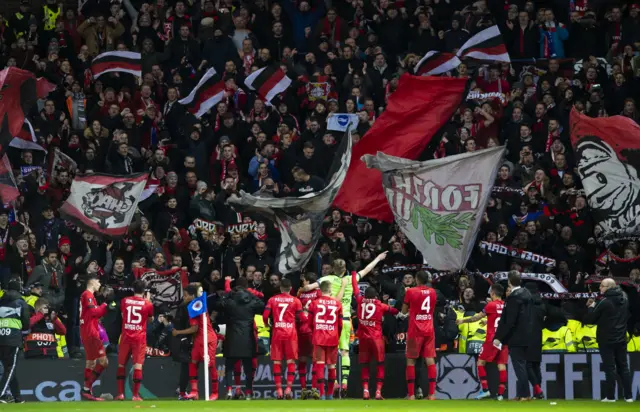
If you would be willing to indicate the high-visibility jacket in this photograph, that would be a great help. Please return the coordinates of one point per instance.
(462, 332)
(263, 330)
(559, 341)
(633, 343)
(471, 336)
(574, 325)
(50, 17)
(585, 339)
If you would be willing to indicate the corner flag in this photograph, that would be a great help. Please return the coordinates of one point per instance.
(198, 306)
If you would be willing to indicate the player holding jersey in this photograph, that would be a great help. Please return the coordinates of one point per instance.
(340, 270)
(370, 312)
(324, 313)
(136, 312)
(284, 311)
(489, 353)
(305, 346)
(96, 358)
(419, 304)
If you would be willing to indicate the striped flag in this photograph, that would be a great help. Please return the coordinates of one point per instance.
(26, 138)
(268, 82)
(436, 62)
(8, 187)
(153, 183)
(485, 45)
(208, 92)
(117, 61)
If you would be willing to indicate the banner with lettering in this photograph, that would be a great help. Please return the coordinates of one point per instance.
(166, 290)
(518, 253)
(439, 203)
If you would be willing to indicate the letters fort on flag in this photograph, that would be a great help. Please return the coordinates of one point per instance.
(300, 219)
(439, 203)
(104, 204)
(608, 159)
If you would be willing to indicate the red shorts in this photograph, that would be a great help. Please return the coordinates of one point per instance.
(137, 351)
(326, 354)
(93, 348)
(305, 346)
(421, 347)
(197, 352)
(371, 349)
(491, 354)
(282, 350)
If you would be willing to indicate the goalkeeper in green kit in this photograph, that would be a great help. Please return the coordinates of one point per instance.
(340, 270)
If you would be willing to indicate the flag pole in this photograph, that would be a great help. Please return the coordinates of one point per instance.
(206, 355)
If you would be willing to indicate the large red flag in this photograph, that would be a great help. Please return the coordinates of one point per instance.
(416, 110)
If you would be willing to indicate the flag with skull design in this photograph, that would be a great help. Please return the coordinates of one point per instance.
(607, 159)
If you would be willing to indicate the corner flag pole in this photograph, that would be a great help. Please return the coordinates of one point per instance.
(205, 319)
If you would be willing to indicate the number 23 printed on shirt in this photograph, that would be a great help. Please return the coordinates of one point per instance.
(322, 311)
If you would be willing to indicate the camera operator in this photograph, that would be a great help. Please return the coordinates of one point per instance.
(41, 342)
(159, 331)
(14, 322)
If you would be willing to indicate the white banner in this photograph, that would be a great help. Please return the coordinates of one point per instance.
(439, 203)
(339, 121)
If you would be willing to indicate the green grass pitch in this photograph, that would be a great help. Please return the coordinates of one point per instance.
(329, 406)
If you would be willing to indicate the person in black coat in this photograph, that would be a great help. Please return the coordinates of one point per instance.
(534, 354)
(239, 308)
(181, 346)
(610, 315)
(514, 330)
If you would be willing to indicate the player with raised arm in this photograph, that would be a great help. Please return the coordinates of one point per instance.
(340, 270)
(95, 355)
(370, 312)
(419, 304)
(489, 353)
(305, 346)
(324, 313)
(137, 311)
(284, 311)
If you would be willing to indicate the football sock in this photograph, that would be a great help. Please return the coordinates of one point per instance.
(213, 375)
(137, 380)
(502, 379)
(291, 374)
(193, 377)
(332, 381)
(432, 373)
(537, 390)
(411, 379)
(364, 373)
(121, 376)
(380, 376)
(302, 373)
(482, 375)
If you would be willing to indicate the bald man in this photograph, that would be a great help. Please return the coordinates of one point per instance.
(610, 314)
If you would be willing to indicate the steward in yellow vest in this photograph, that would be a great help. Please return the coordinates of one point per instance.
(558, 341)
(585, 339)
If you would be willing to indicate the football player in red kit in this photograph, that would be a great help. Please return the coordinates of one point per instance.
(197, 352)
(136, 312)
(285, 311)
(326, 322)
(96, 358)
(419, 304)
(489, 353)
(370, 312)
(305, 346)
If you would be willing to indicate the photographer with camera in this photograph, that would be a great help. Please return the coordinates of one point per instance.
(44, 325)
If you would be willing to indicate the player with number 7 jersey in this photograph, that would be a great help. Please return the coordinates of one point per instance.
(136, 312)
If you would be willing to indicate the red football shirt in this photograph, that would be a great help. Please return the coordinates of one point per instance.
(211, 334)
(493, 310)
(422, 304)
(136, 311)
(305, 300)
(283, 308)
(90, 314)
(370, 313)
(326, 320)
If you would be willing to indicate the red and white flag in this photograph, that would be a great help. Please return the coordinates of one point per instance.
(208, 92)
(436, 62)
(104, 204)
(153, 183)
(268, 82)
(8, 187)
(117, 61)
(61, 162)
(26, 138)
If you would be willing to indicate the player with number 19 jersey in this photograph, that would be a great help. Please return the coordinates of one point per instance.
(489, 352)
(421, 301)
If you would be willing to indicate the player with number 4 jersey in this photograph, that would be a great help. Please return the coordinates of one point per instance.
(371, 343)
(136, 312)
(419, 304)
(490, 353)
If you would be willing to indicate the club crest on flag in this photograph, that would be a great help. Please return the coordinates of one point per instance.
(109, 203)
(198, 306)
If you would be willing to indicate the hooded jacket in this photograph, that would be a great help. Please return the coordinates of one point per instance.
(14, 318)
(610, 315)
(239, 308)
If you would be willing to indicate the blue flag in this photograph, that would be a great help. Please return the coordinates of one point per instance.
(198, 306)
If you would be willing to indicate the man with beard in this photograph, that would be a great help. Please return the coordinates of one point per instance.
(51, 274)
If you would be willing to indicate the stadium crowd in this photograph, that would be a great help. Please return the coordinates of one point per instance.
(344, 56)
